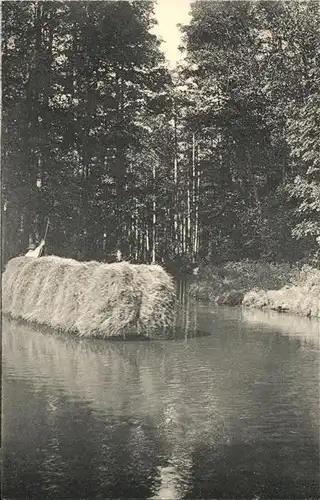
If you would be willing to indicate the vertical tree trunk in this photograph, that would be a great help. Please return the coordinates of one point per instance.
(188, 222)
(4, 244)
(153, 257)
(194, 207)
(253, 180)
(175, 178)
(120, 164)
(196, 198)
(136, 240)
(197, 240)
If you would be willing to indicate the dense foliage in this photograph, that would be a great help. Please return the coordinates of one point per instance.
(82, 83)
(218, 160)
(230, 281)
(253, 70)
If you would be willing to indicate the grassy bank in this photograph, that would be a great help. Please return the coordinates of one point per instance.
(301, 297)
(228, 283)
(280, 287)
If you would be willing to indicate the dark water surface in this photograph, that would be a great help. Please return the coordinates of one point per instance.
(232, 414)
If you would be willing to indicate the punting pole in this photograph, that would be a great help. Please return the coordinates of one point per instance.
(45, 235)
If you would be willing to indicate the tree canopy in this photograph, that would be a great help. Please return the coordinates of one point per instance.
(216, 160)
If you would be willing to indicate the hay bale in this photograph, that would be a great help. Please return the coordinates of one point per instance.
(89, 298)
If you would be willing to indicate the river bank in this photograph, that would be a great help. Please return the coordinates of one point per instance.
(301, 297)
(281, 287)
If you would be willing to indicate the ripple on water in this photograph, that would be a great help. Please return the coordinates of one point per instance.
(232, 413)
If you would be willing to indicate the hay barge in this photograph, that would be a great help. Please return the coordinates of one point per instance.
(90, 299)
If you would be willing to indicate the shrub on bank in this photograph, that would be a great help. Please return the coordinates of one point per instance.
(301, 297)
(228, 283)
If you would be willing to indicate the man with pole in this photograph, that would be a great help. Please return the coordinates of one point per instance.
(36, 252)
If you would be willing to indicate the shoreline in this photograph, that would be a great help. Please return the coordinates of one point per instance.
(287, 288)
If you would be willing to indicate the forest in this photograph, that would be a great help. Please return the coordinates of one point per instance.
(217, 160)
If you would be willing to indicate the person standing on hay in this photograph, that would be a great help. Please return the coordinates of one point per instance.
(34, 251)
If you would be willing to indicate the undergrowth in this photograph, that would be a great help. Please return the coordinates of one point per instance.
(214, 281)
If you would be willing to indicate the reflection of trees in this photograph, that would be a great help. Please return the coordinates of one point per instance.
(79, 435)
(139, 389)
(165, 407)
(260, 470)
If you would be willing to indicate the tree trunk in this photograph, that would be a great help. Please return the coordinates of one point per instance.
(153, 257)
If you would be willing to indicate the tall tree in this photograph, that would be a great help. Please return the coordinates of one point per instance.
(246, 62)
(81, 78)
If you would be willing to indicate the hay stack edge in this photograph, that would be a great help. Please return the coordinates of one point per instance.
(91, 299)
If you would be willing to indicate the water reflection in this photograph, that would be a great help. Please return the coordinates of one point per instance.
(232, 414)
(304, 329)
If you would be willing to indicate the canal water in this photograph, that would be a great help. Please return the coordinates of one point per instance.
(226, 408)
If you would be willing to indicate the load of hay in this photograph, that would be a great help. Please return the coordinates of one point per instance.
(89, 298)
(302, 297)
